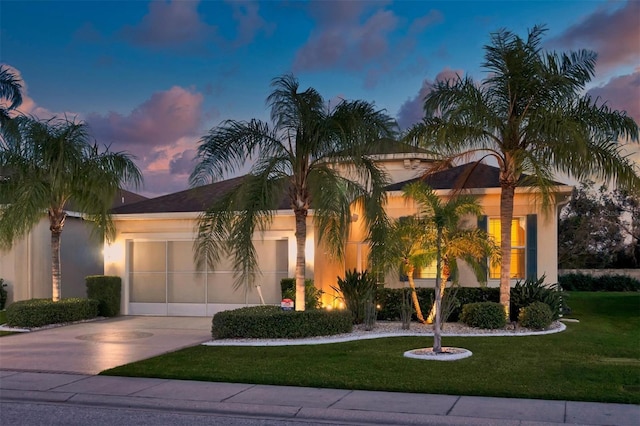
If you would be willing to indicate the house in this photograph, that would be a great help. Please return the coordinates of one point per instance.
(26, 267)
(153, 250)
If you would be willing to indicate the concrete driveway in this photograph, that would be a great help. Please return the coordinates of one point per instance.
(91, 347)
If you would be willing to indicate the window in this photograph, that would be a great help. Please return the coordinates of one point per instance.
(426, 272)
(518, 247)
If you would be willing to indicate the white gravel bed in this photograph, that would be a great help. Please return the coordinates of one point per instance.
(391, 329)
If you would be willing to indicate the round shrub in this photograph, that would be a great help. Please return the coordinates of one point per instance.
(537, 316)
(270, 322)
(484, 315)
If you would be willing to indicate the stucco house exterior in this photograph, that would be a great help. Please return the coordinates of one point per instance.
(26, 267)
(153, 249)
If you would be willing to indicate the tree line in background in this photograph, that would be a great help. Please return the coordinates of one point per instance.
(599, 228)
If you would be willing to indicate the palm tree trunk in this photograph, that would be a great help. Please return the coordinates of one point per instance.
(56, 222)
(443, 285)
(506, 217)
(414, 296)
(301, 239)
(437, 337)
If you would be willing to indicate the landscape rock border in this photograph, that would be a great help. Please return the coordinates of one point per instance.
(447, 354)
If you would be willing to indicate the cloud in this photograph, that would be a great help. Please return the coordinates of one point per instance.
(250, 23)
(179, 26)
(29, 105)
(411, 111)
(614, 33)
(183, 162)
(170, 24)
(162, 133)
(621, 93)
(357, 35)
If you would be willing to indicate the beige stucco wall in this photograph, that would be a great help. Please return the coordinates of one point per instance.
(26, 267)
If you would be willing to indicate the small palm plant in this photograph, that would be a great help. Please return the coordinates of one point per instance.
(442, 240)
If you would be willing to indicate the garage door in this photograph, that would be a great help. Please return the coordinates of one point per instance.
(163, 279)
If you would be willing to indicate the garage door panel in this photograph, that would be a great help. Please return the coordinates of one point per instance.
(186, 287)
(148, 256)
(148, 287)
(180, 256)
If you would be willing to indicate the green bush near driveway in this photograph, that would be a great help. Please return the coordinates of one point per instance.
(271, 322)
(39, 312)
(488, 315)
(106, 290)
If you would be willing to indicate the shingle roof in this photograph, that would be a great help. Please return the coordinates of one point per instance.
(191, 200)
(466, 176)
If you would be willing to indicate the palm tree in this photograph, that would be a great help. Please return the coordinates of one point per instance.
(10, 90)
(48, 165)
(295, 156)
(440, 222)
(530, 116)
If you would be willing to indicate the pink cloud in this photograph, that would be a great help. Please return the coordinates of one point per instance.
(621, 93)
(612, 31)
(170, 24)
(356, 36)
(412, 112)
(158, 132)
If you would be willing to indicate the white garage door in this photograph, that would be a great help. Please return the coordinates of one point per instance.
(163, 279)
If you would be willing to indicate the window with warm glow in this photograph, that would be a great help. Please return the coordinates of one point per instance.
(427, 272)
(518, 245)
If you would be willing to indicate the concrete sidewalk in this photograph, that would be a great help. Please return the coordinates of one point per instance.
(305, 404)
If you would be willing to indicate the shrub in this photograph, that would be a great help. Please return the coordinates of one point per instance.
(39, 312)
(106, 290)
(537, 316)
(3, 294)
(358, 290)
(390, 300)
(532, 290)
(312, 295)
(484, 315)
(583, 282)
(270, 322)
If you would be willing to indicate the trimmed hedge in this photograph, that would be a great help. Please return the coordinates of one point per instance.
(537, 316)
(484, 315)
(390, 300)
(106, 290)
(39, 312)
(583, 282)
(270, 322)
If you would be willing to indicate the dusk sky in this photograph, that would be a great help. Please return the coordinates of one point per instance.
(152, 77)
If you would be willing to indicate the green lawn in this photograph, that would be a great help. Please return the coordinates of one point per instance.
(597, 359)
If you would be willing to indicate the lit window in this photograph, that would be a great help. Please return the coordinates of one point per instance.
(517, 247)
(428, 272)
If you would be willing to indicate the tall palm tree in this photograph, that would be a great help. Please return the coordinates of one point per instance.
(10, 91)
(295, 156)
(48, 165)
(531, 117)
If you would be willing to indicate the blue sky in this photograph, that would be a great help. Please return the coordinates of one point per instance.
(152, 77)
